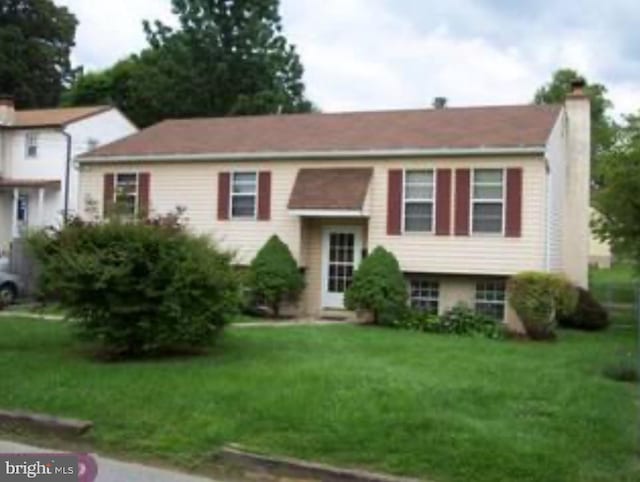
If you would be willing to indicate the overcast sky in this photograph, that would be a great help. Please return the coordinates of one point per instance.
(385, 54)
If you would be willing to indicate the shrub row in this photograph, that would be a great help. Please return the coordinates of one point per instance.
(459, 320)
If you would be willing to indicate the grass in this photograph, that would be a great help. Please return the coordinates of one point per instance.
(440, 407)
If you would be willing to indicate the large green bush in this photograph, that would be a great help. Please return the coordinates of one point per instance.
(138, 289)
(379, 287)
(589, 314)
(274, 276)
(540, 299)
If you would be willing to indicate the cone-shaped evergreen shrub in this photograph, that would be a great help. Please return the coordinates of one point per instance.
(274, 276)
(379, 287)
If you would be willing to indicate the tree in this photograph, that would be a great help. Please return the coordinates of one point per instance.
(274, 275)
(36, 38)
(229, 57)
(603, 129)
(617, 200)
(378, 286)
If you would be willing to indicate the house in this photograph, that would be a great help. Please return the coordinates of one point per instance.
(464, 197)
(599, 251)
(36, 149)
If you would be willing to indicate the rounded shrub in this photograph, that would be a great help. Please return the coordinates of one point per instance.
(274, 275)
(379, 287)
(540, 299)
(589, 314)
(138, 289)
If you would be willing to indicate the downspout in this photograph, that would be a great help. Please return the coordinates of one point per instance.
(67, 174)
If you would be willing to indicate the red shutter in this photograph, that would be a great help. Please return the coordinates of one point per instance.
(144, 187)
(394, 202)
(443, 202)
(513, 225)
(264, 196)
(463, 185)
(108, 195)
(224, 186)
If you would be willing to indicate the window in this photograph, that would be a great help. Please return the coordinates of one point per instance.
(244, 190)
(424, 295)
(31, 140)
(126, 194)
(490, 296)
(418, 201)
(22, 207)
(488, 201)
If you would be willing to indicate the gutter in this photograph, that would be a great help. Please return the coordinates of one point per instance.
(318, 155)
(67, 174)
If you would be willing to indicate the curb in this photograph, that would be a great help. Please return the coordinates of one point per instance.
(44, 423)
(237, 455)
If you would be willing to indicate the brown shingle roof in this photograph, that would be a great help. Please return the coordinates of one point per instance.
(470, 127)
(55, 117)
(29, 183)
(330, 188)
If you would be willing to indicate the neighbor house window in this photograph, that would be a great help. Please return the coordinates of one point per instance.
(488, 201)
(418, 201)
(424, 295)
(490, 298)
(31, 141)
(126, 194)
(92, 143)
(244, 190)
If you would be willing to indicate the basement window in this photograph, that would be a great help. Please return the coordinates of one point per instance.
(424, 295)
(490, 299)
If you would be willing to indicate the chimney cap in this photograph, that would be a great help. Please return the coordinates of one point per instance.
(578, 87)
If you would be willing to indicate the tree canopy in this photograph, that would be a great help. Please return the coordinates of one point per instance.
(228, 57)
(36, 38)
(603, 129)
(617, 200)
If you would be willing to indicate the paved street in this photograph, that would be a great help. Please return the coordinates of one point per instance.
(110, 470)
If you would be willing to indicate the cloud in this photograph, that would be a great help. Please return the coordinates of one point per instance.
(381, 54)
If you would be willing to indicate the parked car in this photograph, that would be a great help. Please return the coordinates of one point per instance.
(10, 287)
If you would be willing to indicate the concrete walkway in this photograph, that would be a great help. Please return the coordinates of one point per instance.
(256, 324)
(110, 470)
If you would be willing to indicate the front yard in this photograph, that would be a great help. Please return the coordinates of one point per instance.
(440, 407)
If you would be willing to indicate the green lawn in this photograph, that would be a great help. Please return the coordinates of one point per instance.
(439, 407)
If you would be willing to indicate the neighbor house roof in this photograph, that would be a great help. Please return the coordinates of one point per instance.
(450, 128)
(330, 188)
(29, 183)
(55, 117)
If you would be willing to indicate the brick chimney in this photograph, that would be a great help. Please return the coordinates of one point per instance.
(578, 184)
(7, 110)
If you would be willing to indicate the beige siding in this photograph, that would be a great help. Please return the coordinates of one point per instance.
(477, 254)
(194, 186)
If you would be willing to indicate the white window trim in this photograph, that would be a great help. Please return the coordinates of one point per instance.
(136, 205)
(503, 302)
(473, 201)
(432, 200)
(255, 195)
(31, 136)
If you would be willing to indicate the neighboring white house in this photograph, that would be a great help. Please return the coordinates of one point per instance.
(34, 155)
(599, 251)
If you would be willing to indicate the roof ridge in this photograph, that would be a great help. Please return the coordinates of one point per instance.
(363, 112)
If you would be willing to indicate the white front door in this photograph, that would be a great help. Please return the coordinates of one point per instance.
(341, 254)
